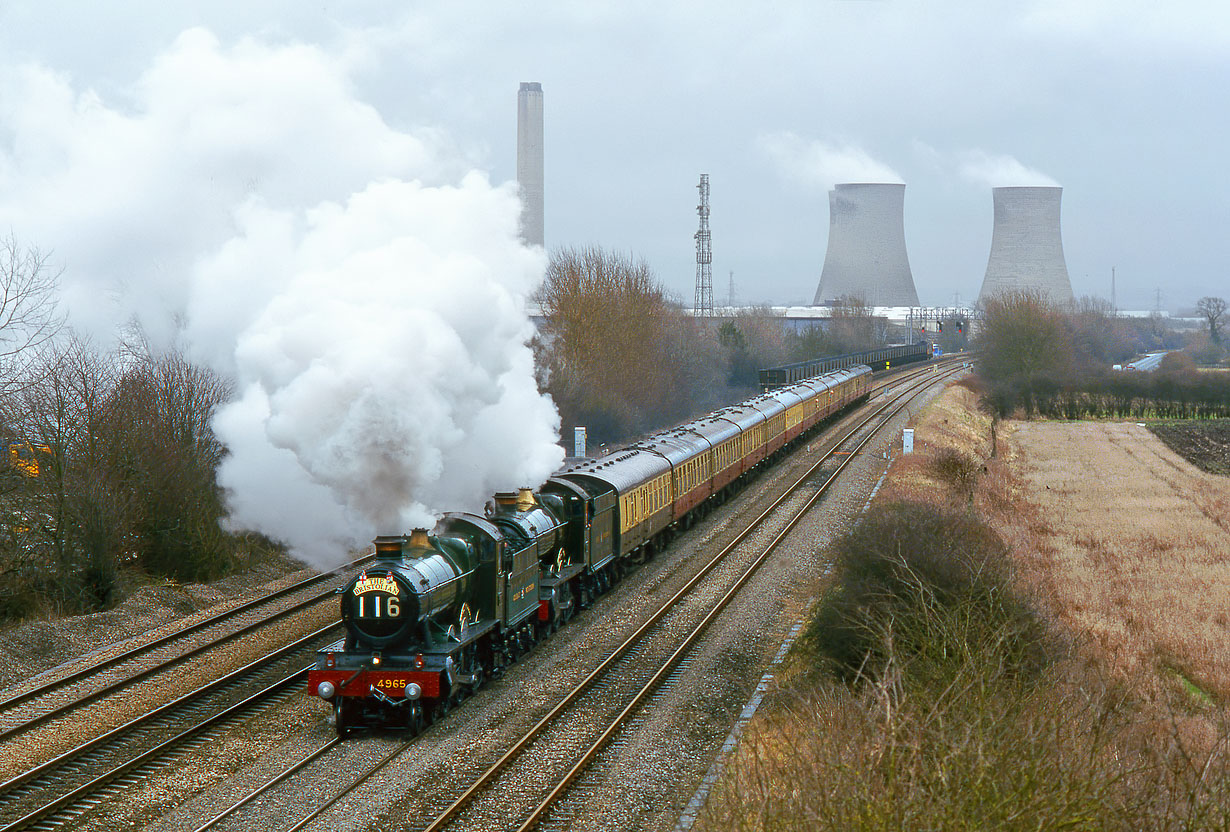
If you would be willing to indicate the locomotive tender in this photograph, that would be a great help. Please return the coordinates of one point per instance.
(438, 612)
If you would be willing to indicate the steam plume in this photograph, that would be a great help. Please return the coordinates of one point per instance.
(365, 292)
(1001, 171)
(821, 164)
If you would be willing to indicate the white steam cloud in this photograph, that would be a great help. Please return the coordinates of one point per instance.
(1001, 171)
(364, 291)
(817, 163)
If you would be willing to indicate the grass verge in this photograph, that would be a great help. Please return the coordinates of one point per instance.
(935, 688)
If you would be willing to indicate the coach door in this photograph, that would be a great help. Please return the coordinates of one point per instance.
(603, 541)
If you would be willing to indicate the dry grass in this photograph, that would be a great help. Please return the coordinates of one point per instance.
(1063, 754)
(1134, 553)
(1126, 548)
(950, 427)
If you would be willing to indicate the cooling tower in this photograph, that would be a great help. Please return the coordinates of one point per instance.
(866, 255)
(529, 161)
(1026, 247)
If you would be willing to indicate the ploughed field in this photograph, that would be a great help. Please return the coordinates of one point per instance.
(1205, 443)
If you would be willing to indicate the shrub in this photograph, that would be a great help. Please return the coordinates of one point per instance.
(919, 591)
(958, 470)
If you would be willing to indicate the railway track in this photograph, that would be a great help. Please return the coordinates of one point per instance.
(25, 709)
(60, 779)
(537, 770)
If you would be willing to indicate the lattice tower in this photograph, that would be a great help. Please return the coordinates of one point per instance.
(703, 306)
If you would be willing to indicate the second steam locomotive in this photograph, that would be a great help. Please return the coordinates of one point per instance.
(437, 612)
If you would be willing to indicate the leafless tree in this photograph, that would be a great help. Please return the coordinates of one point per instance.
(73, 515)
(614, 351)
(128, 476)
(1022, 335)
(1097, 338)
(1213, 310)
(854, 328)
(29, 317)
(753, 339)
(166, 454)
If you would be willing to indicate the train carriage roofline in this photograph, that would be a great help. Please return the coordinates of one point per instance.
(674, 447)
(790, 395)
(623, 471)
(744, 415)
(714, 430)
(767, 404)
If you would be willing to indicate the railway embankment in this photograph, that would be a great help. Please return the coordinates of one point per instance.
(48, 645)
(1083, 680)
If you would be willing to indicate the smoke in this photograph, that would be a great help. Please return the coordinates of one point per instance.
(1001, 171)
(388, 379)
(363, 289)
(824, 165)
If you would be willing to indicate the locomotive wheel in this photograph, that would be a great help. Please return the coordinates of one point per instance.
(478, 679)
(342, 716)
(417, 723)
(567, 604)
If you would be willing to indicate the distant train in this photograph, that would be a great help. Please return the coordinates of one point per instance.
(439, 612)
(878, 359)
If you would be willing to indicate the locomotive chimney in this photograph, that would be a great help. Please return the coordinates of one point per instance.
(525, 499)
(505, 500)
(389, 546)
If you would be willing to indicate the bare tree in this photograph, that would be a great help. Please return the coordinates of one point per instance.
(854, 328)
(1097, 339)
(613, 350)
(166, 454)
(1213, 310)
(1022, 335)
(78, 514)
(1026, 349)
(29, 318)
(754, 339)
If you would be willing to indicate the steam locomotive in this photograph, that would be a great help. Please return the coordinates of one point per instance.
(438, 612)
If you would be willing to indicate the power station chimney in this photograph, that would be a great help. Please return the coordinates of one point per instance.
(529, 161)
(866, 255)
(1026, 245)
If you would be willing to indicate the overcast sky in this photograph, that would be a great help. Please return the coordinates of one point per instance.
(1122, 102)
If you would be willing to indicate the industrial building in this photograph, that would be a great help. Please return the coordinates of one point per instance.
(1026, 245)
(866, 256)
(530, 162)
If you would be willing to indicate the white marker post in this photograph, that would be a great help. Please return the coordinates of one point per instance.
(907, 441)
